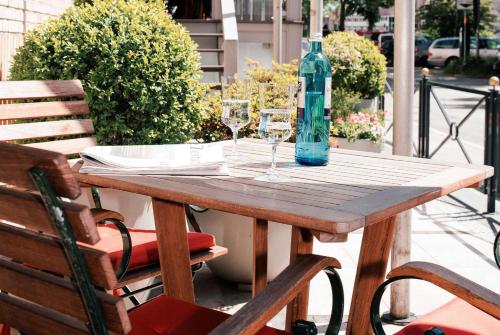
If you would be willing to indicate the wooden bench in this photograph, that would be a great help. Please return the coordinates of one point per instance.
(53, 115)
(70, 135)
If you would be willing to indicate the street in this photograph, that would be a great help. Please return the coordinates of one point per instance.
(457, 105)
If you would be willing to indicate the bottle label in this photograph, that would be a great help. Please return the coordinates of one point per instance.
(301, 97)
(328, 98)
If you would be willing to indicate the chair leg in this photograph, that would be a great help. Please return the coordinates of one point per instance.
(195, 268)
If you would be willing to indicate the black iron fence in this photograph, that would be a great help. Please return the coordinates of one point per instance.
(491, 102)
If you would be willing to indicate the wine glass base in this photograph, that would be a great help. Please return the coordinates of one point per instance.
(273, 177)
(235, 158)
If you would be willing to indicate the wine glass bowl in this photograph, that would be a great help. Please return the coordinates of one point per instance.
(235, 113)
(275, 102)
(274, 125)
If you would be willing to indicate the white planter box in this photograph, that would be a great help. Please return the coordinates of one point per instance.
(360, 145)
(370, 104)
(235, 233)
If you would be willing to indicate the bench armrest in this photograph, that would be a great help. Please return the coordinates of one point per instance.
(465, 289)
(258, 311)
(103, 215)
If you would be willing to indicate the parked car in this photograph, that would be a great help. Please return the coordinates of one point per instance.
(380, 38)
(445, 50)
(421, 47)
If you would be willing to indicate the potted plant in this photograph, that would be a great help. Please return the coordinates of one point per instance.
(357, 66)
(358, 79)
(360, 131)
(140, 72)
(356, 130)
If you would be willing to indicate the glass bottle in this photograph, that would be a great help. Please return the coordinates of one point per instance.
(314, 106)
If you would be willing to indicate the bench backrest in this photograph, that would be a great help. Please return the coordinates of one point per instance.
(49, 283)
(31, 109)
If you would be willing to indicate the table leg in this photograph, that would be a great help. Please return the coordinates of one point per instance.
(170, 222)
(301, 244)
(371, 271)
(259, 281)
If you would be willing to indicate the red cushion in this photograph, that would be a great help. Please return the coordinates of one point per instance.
(144, 245)
(4, 330)
(456, 318)
(168, 316)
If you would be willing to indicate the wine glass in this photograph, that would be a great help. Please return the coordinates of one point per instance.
(236, 112)
(275, 102)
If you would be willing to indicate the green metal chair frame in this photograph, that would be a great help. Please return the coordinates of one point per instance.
(127, 246)
(97, 324)
(375, 318)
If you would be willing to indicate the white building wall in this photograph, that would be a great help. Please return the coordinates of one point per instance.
(19, 16)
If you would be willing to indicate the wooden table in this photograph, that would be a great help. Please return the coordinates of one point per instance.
(355, 190)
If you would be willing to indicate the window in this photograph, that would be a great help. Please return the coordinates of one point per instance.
(447, 44)
(254, 10)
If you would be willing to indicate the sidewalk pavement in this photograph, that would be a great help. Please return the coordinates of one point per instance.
(453, 231)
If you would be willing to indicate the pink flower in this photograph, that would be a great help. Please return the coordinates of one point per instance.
(353, 118)
(339, 120)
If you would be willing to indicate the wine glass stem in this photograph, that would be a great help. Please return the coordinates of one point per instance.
(273, 159)
(235, 139)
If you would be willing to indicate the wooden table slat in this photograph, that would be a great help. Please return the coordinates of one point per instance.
(284, 165)
(339, 187)
(341, 158)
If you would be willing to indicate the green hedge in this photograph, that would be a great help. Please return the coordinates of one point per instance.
(357, 64)
(140, 70)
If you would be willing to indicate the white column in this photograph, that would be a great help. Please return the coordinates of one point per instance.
(316, 15)
(404, 77)
(277, 31)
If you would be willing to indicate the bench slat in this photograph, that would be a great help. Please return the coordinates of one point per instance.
(28, 210)
(58, 294)
(66, 147)
(17, 160)
(34, 319)
(24, 131)
(40, 89)
(34, 110)
(45, 252)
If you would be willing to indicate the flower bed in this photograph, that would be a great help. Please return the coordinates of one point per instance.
(360, 126)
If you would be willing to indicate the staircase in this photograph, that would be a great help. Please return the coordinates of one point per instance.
(217, 41)
(210, 39)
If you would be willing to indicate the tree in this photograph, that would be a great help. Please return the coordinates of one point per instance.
(306, 12)
(347, 8)
(441, 18)
(369, 9)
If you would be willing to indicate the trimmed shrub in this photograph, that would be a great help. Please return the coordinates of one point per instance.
(357, 65)
(82, 2)
(481, 67)
(140, 70)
